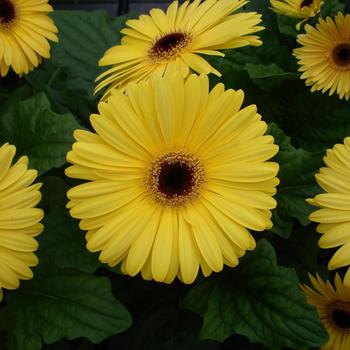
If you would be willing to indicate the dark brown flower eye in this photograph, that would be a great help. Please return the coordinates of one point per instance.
(306, 3)
(341, 55)
(175, 178)
(341, 318)
(7, 12)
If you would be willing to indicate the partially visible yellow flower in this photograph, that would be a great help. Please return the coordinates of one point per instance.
(178, 175)
(324, 56)
(173, 41)
(25, 29)
(334, 217)
(333, 306)
(297, 8)
(19, 219)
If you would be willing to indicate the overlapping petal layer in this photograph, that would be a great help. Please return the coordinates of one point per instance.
(19, 219)
(334, 215)
(324, 56)
(164, 42)
(25, 31)
(333, 307)
(297, 8)
(171, 118)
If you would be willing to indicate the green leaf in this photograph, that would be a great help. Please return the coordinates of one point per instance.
(282, 222)
(65, 304)
(286, 25)
(297, 182)
(256, 71)
(268, 76)
(314, 121)
(44, 136)
(331, 8)
(62, 243)
(52, 80)
(266, 66)
(83, 39)
(261, 301)
(68, 79)
(297, 170)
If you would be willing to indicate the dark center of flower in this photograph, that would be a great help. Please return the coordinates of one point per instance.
(169, 46)
(341, 318)
(169, 42)
(7, 12)
(341, 55)
(306, 3)
(175, 178)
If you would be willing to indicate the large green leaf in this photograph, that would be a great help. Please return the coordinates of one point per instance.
(62, 303)
(68, 79)
(84, 38)
(297, 170)
(331, 8)
(268, 76)
(259, 300)
(314, 121)
(266, 66)
(287, 25)
(62, 243)
(44, 136)
(52, 80)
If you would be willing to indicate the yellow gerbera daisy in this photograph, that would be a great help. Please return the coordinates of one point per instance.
(25, 29)
(167, 42)
(19, 220)
(334, 217)
(333, 306)
(297, 8)
(177, 176)
(325, 55)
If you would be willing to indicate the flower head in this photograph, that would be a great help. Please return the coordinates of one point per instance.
(25, 29)
(303, 9)
(333, 307)
(19, 219)
(166, 42)
(334, 215)
(324, 56)
(177, 176)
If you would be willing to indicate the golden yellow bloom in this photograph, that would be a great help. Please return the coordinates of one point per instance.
(177, 175)
(333, 306)
(25, 29)
(324, 56)
(334, 217)
(297, 8)
(172, 41)
(19, 220)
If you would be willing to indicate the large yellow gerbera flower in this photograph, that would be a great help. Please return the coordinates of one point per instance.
(25, 30)
(333, 306)
(177, 177)
(325, 55)
(334, 217)
(297, 8)
(19, 220)
(167, 42)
